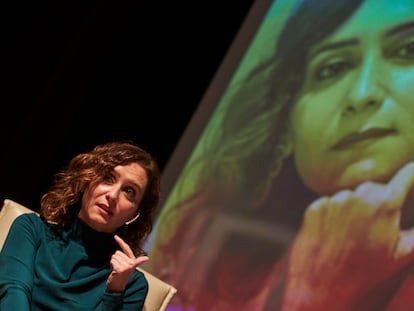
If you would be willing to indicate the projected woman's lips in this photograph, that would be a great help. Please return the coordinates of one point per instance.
(355, 138)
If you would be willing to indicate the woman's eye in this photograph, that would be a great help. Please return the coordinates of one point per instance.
(130, 192)
(331, 70)
(405, 52)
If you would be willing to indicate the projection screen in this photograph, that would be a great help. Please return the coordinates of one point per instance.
(290, 188)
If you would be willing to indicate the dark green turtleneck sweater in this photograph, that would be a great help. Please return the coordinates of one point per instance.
(44, 268)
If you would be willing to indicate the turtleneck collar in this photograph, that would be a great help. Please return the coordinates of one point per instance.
(97, 244)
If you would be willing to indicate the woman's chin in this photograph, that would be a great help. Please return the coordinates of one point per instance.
(358, 173)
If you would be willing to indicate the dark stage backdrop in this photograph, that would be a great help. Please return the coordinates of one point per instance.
(77, 73)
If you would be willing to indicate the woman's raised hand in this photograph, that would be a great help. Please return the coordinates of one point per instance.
(123, 263)
(349, 244)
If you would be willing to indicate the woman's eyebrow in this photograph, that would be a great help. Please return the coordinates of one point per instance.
(400, 28)
(333, 46)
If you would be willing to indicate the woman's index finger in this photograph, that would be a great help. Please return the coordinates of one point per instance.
(124, 246)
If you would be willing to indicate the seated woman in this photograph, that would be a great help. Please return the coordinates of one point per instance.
(83, 250)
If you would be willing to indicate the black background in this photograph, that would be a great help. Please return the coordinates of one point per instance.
(78, 73)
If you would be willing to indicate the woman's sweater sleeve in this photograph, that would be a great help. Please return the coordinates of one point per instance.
(131, 300)
(17, 261)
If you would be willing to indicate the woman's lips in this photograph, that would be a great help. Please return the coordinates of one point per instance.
(105, 209)
(354, 138)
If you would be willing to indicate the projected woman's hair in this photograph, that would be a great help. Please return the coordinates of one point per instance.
(297, 196)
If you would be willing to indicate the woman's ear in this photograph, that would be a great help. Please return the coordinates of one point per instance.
(286, 143)
(282, 150)
(289, 141)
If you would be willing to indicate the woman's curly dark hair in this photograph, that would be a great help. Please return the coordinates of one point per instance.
(61, 203)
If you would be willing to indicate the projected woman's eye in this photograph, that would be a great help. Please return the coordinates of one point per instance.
(322, 73)
(332, 70)
(404, 52)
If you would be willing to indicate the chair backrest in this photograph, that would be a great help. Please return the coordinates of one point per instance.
(160, 293)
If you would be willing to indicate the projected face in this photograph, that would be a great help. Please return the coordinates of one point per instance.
(354, 120)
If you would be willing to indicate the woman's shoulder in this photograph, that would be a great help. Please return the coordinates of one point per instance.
(28, 219)
(28, 225)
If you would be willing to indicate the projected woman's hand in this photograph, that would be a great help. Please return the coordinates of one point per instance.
(348, 243)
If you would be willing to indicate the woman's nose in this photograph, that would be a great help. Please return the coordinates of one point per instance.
(367, 90)
(112, 194)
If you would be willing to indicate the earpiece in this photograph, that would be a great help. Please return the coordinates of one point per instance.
(132, 220)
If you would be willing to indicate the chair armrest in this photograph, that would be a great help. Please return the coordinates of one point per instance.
(160, 293)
